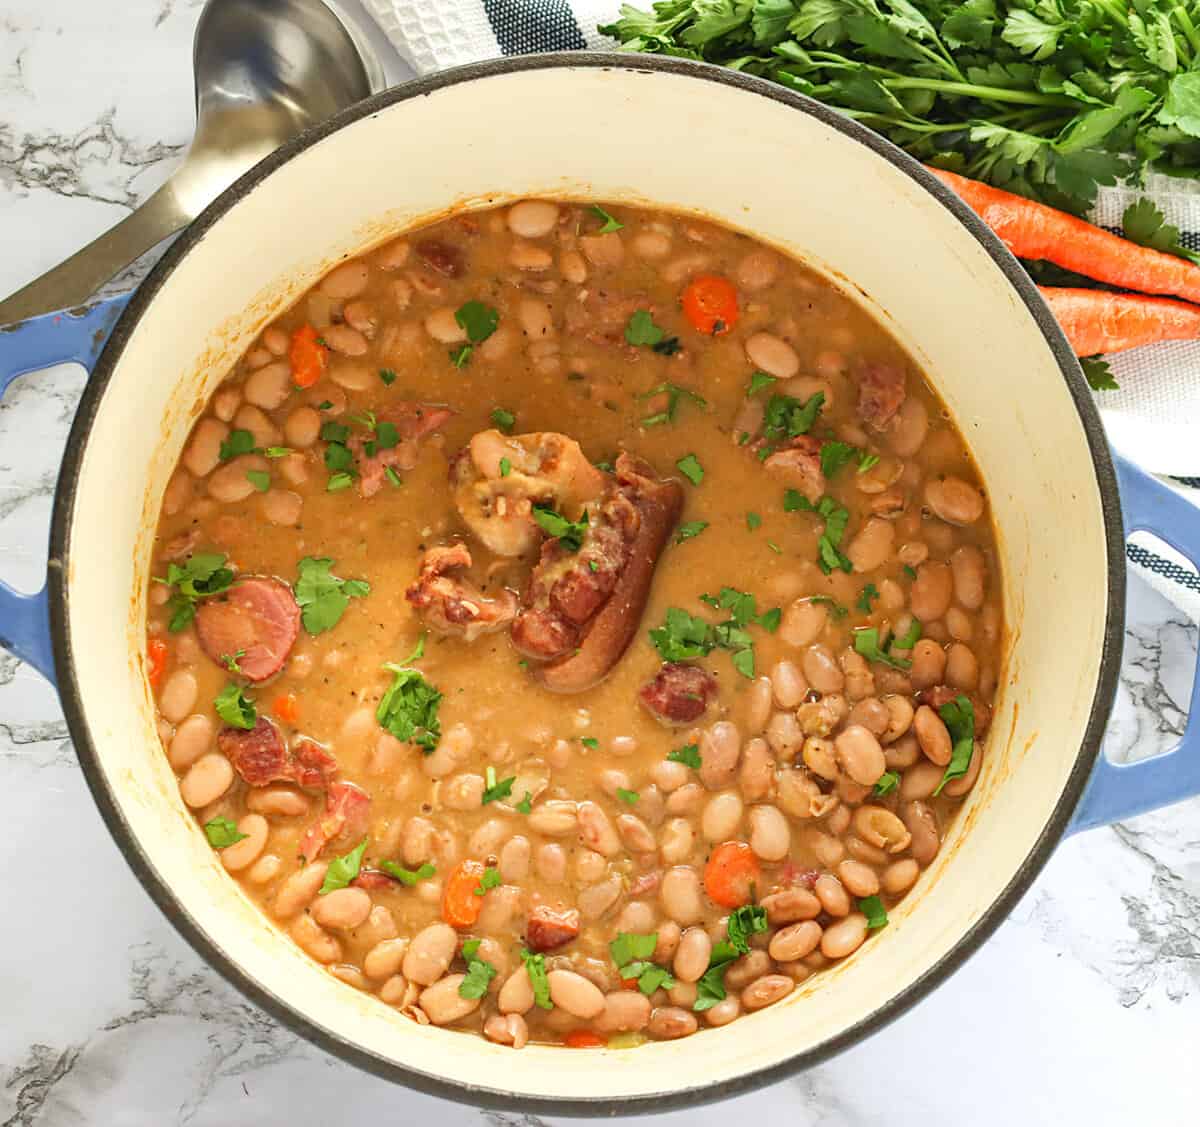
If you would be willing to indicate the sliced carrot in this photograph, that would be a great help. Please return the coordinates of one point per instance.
(629, 983)
(287, 708)
(307, 355)
(710, 304)
(156, 661)
(1033, 230)
(731, 874)
(460, 905)
(583, 1039)
(1097, 321)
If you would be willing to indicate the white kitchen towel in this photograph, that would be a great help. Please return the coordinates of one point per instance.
(1154, 419)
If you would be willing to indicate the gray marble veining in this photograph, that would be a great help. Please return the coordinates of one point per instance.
(1085, 1007)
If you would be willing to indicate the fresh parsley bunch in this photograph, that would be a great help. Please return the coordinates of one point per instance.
(1047, 98)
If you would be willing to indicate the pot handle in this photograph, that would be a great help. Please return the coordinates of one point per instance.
(74, 336)
(1122, 790)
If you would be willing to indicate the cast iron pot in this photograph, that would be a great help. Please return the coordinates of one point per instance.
(750, 155)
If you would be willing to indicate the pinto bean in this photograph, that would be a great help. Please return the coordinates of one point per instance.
(745, 970)
(795, 941)
(624, 1011)
(844, 937)
(833, 896)
(766, 991)
(788, 684)
(298, 890)
(595, 900)
(532, 219)
(692, 954)
(270, 385)
(635, 834)
(860, 755)
(956, 788)
(516, 995)
(680, 895)
(596, 830)
(668, 1023)
(900, 876)
(343, 909)
(677, 840)
(770, 835)
(822, 670)
(881, 828)
(242, 854)
(686, 800)
(803, 622)
(507, 1029)
(429, 954)
(724, 1011)
(932, 735)
(954, 500)
(203, 452)
(206, 780)
(443, 1004)
(962, 667)
(790, 905)
(720, 749)
(872, 545)
(579, 996)
(384, 959)
(922, 824)
(928, 664)
(756, 775)
(920, 780)
(970, 576)
(784, 734)
(191, 740)
(314, 941)
(859, 880)
(722, 816)
(773, 355)
(931, 591)
(346, 281)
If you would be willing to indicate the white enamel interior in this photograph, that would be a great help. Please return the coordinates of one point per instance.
(742, 159)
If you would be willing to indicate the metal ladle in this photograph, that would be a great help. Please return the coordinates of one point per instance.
(264, 71)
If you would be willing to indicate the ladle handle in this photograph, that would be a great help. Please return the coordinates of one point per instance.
(71, 283)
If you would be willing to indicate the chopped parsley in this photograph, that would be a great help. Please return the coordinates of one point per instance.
(689, 465)
(339, 481)
(688, 755)
(872, 907)
(628, 796)
(590, 742)
(683, 636)
(866, 642)
(334, 432)
(277, 451)
(869, 592)
(388, 376)
(642, 332)
(758, 381)
(775, 547)
(479, 972)
(674, 394)
(390, 473)
(834, 455)
(525, 805)
(690, 529)
(339, 461)
(489, 880)
(235, 708)
(632, 952)
(202, 575)
(409, 708)
(535, 967)
(503, 420)
(222, 833)
(505, 467)
(569, 533)
(461, 356)
(342, 870)
(753, 521)
(405, 876)
(867, 461)
(322, 596)
(829, 555)
(886, 783)
(230, 661)
(477, 320)
(911, 637)
(236, 443)
(611, 222)
(835, 608)
(911, 572)
(496, 790)
(386, 437)
(959, 717)
(787, 417)
(742, 923)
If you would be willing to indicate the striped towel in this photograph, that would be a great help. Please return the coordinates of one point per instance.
(1154, 419)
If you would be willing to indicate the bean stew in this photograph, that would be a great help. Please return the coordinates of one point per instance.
(575, 624)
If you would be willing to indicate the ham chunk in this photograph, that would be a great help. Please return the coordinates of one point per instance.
(413, 422)
(798, 463)
(260, 756)
(548, 929)
(678, 693)
(344, 821)
(881, 392)
(450, 604)
(254, 623)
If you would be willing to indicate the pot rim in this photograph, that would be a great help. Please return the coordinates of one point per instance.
(671, 1098)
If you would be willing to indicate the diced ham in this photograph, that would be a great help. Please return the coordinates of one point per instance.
(548, 929)
(791, 875)
(451, 604)
(260, 756)
(257, 754)
(646, 883)
(254, 623)
(798, 463)
(441, 256)
(678, 693)
(881, 392)
(413, 422)
(373, 880)
(601, 317)
(347, 809)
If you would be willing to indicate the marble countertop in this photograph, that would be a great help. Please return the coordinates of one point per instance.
(1084, 1007)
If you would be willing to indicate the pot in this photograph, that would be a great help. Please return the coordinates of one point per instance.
(747, 154)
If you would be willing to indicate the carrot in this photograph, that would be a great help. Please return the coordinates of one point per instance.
(460, 905)
(584, 1039)
(731, 874)
(1033, 230)
(710, 304)
(307, 355)
(156, 661)
(1097, 321)
(287, 708)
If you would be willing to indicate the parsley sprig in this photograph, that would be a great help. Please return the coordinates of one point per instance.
(684, 636)
(322, 596)
(409, 708)
(743, 923)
